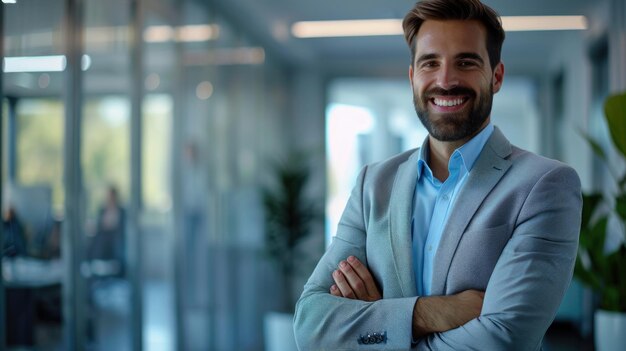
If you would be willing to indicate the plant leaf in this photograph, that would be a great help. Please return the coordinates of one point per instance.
(590, 203)
(620, 206)
(597, 237)
(595, 146)
(615, 112)
(622, 183)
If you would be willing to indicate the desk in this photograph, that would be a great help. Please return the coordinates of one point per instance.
(24, 279)
(27, 272)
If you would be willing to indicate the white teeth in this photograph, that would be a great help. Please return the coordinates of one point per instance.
(447, 103)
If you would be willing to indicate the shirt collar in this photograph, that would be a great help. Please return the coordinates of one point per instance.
(468, 152)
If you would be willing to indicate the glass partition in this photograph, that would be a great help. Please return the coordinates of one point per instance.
(33, 191)
(105, 167)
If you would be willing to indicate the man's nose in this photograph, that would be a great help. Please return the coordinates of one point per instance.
(447, 77)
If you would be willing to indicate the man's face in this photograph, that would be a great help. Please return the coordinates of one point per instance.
(452, 80)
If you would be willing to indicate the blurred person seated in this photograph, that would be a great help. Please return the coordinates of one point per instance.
(14, 238)
(108, 250)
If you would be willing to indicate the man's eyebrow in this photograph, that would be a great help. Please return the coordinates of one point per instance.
(426, 57)
(470, 55)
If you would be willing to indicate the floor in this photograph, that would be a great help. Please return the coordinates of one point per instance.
(565, 337)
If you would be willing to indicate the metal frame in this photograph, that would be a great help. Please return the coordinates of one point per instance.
(179, 244)
(134, 236)
(2, 298)
(12, 139)
(617, 47)
(72, 243)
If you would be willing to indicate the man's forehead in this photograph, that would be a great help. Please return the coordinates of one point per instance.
(461, 35)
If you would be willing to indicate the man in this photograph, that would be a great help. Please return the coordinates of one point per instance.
(109, 241)
(467, 243)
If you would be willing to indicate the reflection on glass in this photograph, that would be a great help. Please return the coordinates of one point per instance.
(105, 165)
(157, 124)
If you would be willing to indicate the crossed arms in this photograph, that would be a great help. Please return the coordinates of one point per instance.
(431, 314)
(519, 303)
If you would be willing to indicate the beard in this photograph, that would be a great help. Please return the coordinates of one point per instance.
(459, 125)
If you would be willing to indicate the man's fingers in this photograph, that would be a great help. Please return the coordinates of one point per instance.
(343, 285)
(334, 290)
(353, 280)
(356, 283)
(366, 277)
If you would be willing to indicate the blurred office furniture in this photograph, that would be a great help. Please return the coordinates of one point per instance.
(33, 206)
(14, 239)
(27, 281)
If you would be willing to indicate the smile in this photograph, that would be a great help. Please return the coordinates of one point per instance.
(448, 102)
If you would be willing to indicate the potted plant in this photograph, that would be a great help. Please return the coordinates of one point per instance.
(602, 271)
(289, 214)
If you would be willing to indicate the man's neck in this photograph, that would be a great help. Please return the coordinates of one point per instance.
(441, 151)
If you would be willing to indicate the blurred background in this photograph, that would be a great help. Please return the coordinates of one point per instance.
(151, 151)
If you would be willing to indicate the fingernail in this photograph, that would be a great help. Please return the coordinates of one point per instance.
(336, 273)
(351, 258)
(343, 264)
(333, 287)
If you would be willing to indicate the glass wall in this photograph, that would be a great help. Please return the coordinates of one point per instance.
(105, 166)
(174, 134)
(32, 169)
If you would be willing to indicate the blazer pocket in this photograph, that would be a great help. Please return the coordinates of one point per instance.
(476, 256)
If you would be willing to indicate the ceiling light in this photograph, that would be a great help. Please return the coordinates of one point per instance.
(351, 28)
(226, 56)
(204, 90)
(85, 62)
(376, 27)
(189, 33)
(54, 63)
(158, 34)
(197, 33)
(9, 1)
(541, 23)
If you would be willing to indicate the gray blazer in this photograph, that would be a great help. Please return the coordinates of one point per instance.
(513, 232)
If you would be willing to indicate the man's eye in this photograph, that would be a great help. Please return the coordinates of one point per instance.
(467, 64)
(429, 64)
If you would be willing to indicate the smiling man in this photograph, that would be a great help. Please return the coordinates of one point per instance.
(467, 243)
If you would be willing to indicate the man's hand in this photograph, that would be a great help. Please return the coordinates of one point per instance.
(433, 314)
(354, 281)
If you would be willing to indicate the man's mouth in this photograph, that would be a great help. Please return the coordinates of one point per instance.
(448, 102)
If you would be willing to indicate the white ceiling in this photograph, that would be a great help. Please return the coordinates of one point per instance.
(269, 19)
(268, 23)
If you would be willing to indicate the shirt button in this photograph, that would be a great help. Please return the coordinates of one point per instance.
(445, 197)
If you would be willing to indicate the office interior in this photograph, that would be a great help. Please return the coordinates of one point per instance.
(139, 139)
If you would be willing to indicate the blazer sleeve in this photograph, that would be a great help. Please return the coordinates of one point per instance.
(326, 322)
(531, 275)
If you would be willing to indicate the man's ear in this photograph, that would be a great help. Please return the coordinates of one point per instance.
(498, 77)
(411, 74)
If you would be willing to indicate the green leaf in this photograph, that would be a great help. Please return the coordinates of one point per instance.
(586, 274)
(610, 299)
(615, 112)
(595, 146)
(620, 206)
(597, 236)
(590, 203)
(622, 183)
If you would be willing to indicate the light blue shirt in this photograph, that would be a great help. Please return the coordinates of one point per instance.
(433, 201)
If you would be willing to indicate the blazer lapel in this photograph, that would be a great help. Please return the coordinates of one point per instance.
(489, 168)
(400, 214)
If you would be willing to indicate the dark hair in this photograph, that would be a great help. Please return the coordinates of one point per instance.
(456, 10)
